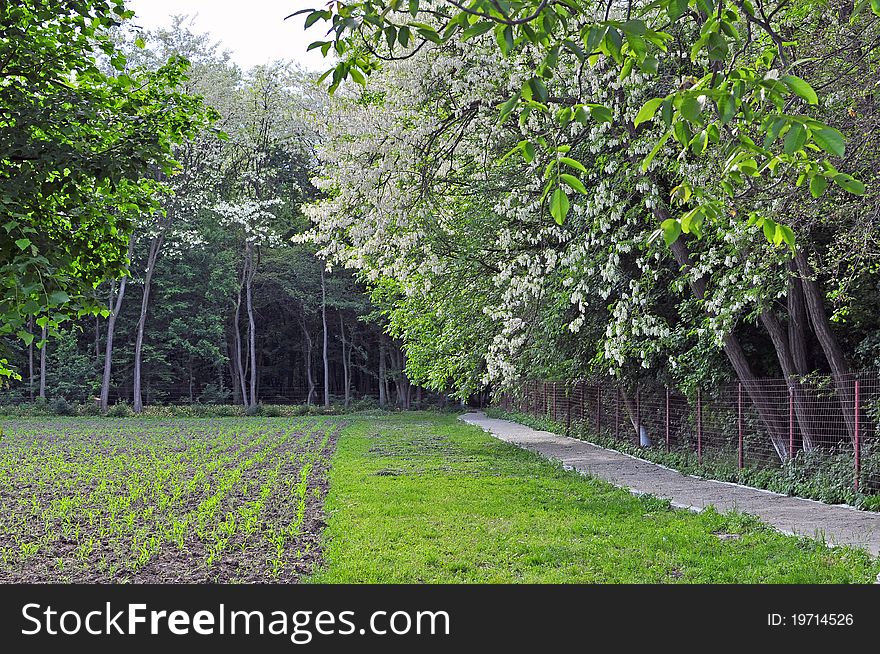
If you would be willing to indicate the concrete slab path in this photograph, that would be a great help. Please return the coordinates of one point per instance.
(834, 524)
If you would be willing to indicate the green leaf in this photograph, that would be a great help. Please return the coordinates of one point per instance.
(23, 243)
(850, 184)
(528, 152)
(58, 297)
(830, 140)
(718, 48)
(769, 227)
(671, 230)
(726, 108)
(648, 110)
(573, 182)
(818, 184)
(800, 88)
(476, 30)
(601, 114)
(691, 109)
(787, 235)
(659, 146)
(507, 107)
(572, 163)
(676, 8)
(875, 7)
(794, 139)
(559, 206)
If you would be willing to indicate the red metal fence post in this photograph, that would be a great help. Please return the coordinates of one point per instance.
(856, 439)
(638, 418)
(581, 399)
(699, 428)
(598, 409)
(667, 419)
(617, 413)
(739, 424)
(554, 401)
(791, 422)
(567, 410)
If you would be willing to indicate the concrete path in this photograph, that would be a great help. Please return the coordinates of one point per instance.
(836, 525)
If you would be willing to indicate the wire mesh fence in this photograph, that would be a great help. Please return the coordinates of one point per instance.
(821, 429)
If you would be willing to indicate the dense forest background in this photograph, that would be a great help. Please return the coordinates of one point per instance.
(218, 304)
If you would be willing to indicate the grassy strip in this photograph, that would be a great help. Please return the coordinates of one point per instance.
(426, 498)
(815, 475)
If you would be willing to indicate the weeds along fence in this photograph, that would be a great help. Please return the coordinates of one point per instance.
(820, 430)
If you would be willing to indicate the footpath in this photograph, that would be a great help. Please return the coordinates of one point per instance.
(833, 524)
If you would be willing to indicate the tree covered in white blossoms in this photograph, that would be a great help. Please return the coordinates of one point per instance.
(551, 189)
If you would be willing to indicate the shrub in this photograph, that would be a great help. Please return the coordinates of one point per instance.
(88, 409)
(120, 410)
(59, 406)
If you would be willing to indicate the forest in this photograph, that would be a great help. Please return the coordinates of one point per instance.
(214, 304)
(676, 191)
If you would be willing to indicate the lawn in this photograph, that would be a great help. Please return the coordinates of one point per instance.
(425, 498)
(159, 500)
(413, 497)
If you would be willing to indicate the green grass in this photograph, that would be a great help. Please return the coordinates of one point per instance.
(425, 498)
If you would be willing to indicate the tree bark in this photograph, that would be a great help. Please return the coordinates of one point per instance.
(797, 321)
(44, 335)
(115, 308)
(31, 359)
(840, 371)
(737, 357)
(383, 399)
(252, 328)
(308, 357)
(324, 320)
(155, 246)
(346, 362)
(789, 370)
(236, 331)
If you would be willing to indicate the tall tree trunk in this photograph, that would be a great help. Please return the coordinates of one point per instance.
(155, 246)
(115, 308)
(346, 362)
(324, 320)
(252, 329)
(236, 331)
(30, 329)
(383, 391)
(789, 370)
(797, 321)
(771, 418)
(232, 364)
(840, 371)
(310, 379)
(44, 335)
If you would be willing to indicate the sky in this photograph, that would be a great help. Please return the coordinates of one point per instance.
(255, 32)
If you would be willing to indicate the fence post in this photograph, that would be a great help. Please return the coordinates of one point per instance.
(790, 421)
(581, 400)
(667, 419)
(567, 410)
(638, 418)
(739, 424)
(617, 413)
(856, 444)
(699, 428)
(554, 401)
(598, 409)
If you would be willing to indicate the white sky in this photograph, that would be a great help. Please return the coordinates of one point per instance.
(255, 32)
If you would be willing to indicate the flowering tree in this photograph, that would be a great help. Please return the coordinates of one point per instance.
(684, 176)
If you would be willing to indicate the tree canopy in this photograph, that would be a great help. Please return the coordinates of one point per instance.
(84, 139)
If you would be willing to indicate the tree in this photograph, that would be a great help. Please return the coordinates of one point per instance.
(79, 137)
(435, 201)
